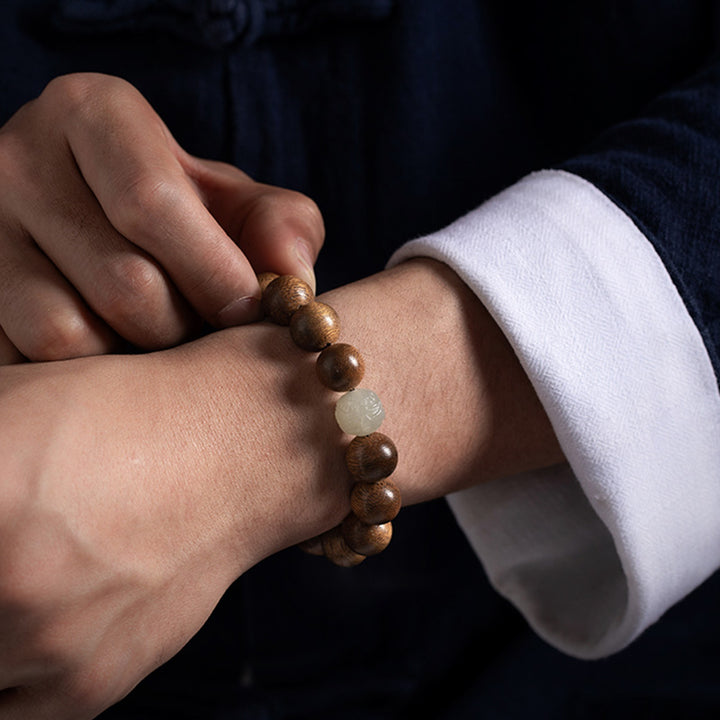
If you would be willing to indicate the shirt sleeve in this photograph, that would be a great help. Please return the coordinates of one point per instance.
(595, 550)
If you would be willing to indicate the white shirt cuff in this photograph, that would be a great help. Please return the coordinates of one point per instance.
(594, 551)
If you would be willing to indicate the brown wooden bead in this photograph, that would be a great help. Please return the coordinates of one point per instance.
(375, 503)
(264, 279)
(371, 457)
(338, 551)
(284, 296)
(313, 545)
(314, 326)
(366, 539)
(340, 367)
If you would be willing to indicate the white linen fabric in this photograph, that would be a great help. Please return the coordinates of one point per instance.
(595, 550)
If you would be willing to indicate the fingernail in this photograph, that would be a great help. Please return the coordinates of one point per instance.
(239, 312)
(303, 254)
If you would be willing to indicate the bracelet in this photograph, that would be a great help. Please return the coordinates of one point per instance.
(370, 457)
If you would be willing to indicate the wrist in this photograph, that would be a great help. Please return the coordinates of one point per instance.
(277, 450)
(459, 406)
(458, 403)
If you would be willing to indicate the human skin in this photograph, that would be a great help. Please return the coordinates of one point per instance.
(135, 489)
(127, 237)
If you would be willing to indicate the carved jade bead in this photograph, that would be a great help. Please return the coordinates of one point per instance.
(359, 412)
(314, 326)
(340, 367)
(284, 296)
(366, 539)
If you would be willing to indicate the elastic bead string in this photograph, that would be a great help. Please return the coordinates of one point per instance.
(370, 457)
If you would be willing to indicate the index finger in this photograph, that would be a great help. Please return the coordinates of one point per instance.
(127, 157)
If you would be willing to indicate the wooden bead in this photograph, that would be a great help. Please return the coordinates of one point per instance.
(340, 367)
(284, 296)
(314, 326)
(376, 502)
(372, 457)
(338, 551)
(264, 279)
(366, 539)
(313, 545)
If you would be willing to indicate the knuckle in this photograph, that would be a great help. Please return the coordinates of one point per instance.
(291, 208)
(82, 95)
(70, 90)
(142, 204)
(73, 95)
(306, 209)
(133, 288)
(288, 203)
(137, 301)
(135, 278)
(57, 335)
(18, 166)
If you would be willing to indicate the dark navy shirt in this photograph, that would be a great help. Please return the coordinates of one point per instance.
(397, 116)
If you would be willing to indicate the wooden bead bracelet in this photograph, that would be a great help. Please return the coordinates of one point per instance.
(371, 457)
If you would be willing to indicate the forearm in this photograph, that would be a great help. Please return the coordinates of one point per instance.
(238, 433)
(134, 490)
(202, 447)
(459, 405)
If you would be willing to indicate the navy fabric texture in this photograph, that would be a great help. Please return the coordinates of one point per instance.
(663, 168)
(397, 117)
(212, 23)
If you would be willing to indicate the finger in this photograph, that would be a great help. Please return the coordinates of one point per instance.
(150, 200)
(120, 282)
(42, 315)
(9, 354)
(279, 230)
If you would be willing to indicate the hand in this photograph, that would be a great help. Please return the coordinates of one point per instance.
(109, 229)
(134, 489)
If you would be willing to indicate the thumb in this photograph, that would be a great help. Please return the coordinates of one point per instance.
(278, 230)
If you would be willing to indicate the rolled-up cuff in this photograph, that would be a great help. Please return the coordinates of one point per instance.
(594, 551)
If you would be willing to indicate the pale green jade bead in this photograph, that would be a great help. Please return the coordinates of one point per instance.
(359, 412)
